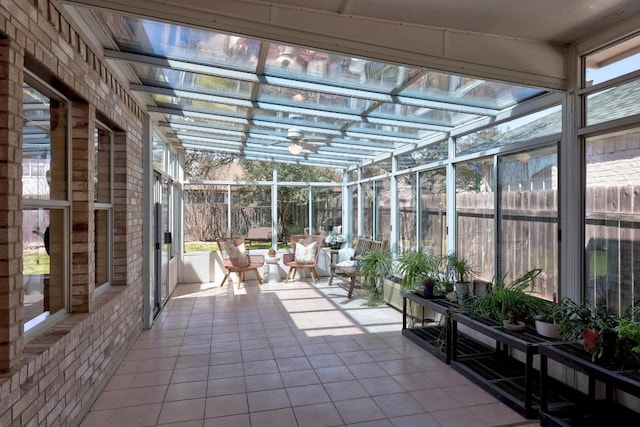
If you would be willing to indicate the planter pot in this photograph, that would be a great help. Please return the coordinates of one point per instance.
(427, 287)
(462, 290)
(590, 339)
(513, 326)
(549, 330)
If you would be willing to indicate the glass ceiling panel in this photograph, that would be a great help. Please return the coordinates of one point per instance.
(183, 80)
(424, 115)
(334, 68)
(294, 119)
(453, 88)
(220, 124)
(312, 99)
(390, 130)
(162, 39)
(198, 105)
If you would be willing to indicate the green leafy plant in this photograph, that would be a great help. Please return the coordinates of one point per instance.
(375, 264)
(416, 267)
(629, 330)
(459, 269)
(504, 301)
(578, 319)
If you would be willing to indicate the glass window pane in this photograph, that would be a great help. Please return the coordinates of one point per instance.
(158, 153)
(528, 235)
(612, 62)
(43, 260)
(102, 245)
(475, 201)
(613, 103)
(543, 123)
(612, 234)
(433, 221)
(44, 144)
(102, 165)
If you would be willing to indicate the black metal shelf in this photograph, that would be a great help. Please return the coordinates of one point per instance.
(433, 336)
(515, 383)
(586, 410)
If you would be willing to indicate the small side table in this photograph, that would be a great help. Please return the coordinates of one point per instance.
(272, 269)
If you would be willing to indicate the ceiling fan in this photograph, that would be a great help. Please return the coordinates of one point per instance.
(298, 143)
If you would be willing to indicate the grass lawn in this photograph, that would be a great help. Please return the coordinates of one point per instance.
(35, 263)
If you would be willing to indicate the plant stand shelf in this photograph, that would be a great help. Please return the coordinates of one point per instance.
(515, 383)
(586, 409)
(434, 336)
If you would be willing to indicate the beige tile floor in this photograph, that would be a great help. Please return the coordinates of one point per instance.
(286, 354)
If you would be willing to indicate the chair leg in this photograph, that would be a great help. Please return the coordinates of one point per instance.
(291, 274)
(314, 274)
(352, 284)
(225, 278)
(258, 275)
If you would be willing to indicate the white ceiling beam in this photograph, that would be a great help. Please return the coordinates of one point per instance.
(490, 56)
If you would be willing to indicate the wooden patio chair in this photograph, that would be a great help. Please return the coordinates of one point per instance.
(236, 259)
(305, 254)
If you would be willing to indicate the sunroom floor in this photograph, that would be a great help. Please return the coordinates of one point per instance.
(286, 354)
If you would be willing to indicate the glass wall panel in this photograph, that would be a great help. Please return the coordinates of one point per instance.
(540, 124)
(475, 201)
(158, 153)
(382, 229)
(433, 218)
(355, 232)
(407, 213)
(528, 228)
(293, 211)
(205, 212)
(251, 207)
(612, 219)
(368, 209)
(327, 209)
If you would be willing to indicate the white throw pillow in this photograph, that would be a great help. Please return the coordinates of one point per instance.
(238, 252)
(305, 254)
(346, 254)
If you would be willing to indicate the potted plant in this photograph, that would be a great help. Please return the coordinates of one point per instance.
(375, 265)
(590, 324)
(547, 323)
(512, 305)
(419, 269)
(461, 272)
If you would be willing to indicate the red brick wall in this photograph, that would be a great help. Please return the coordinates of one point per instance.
(52, 378)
